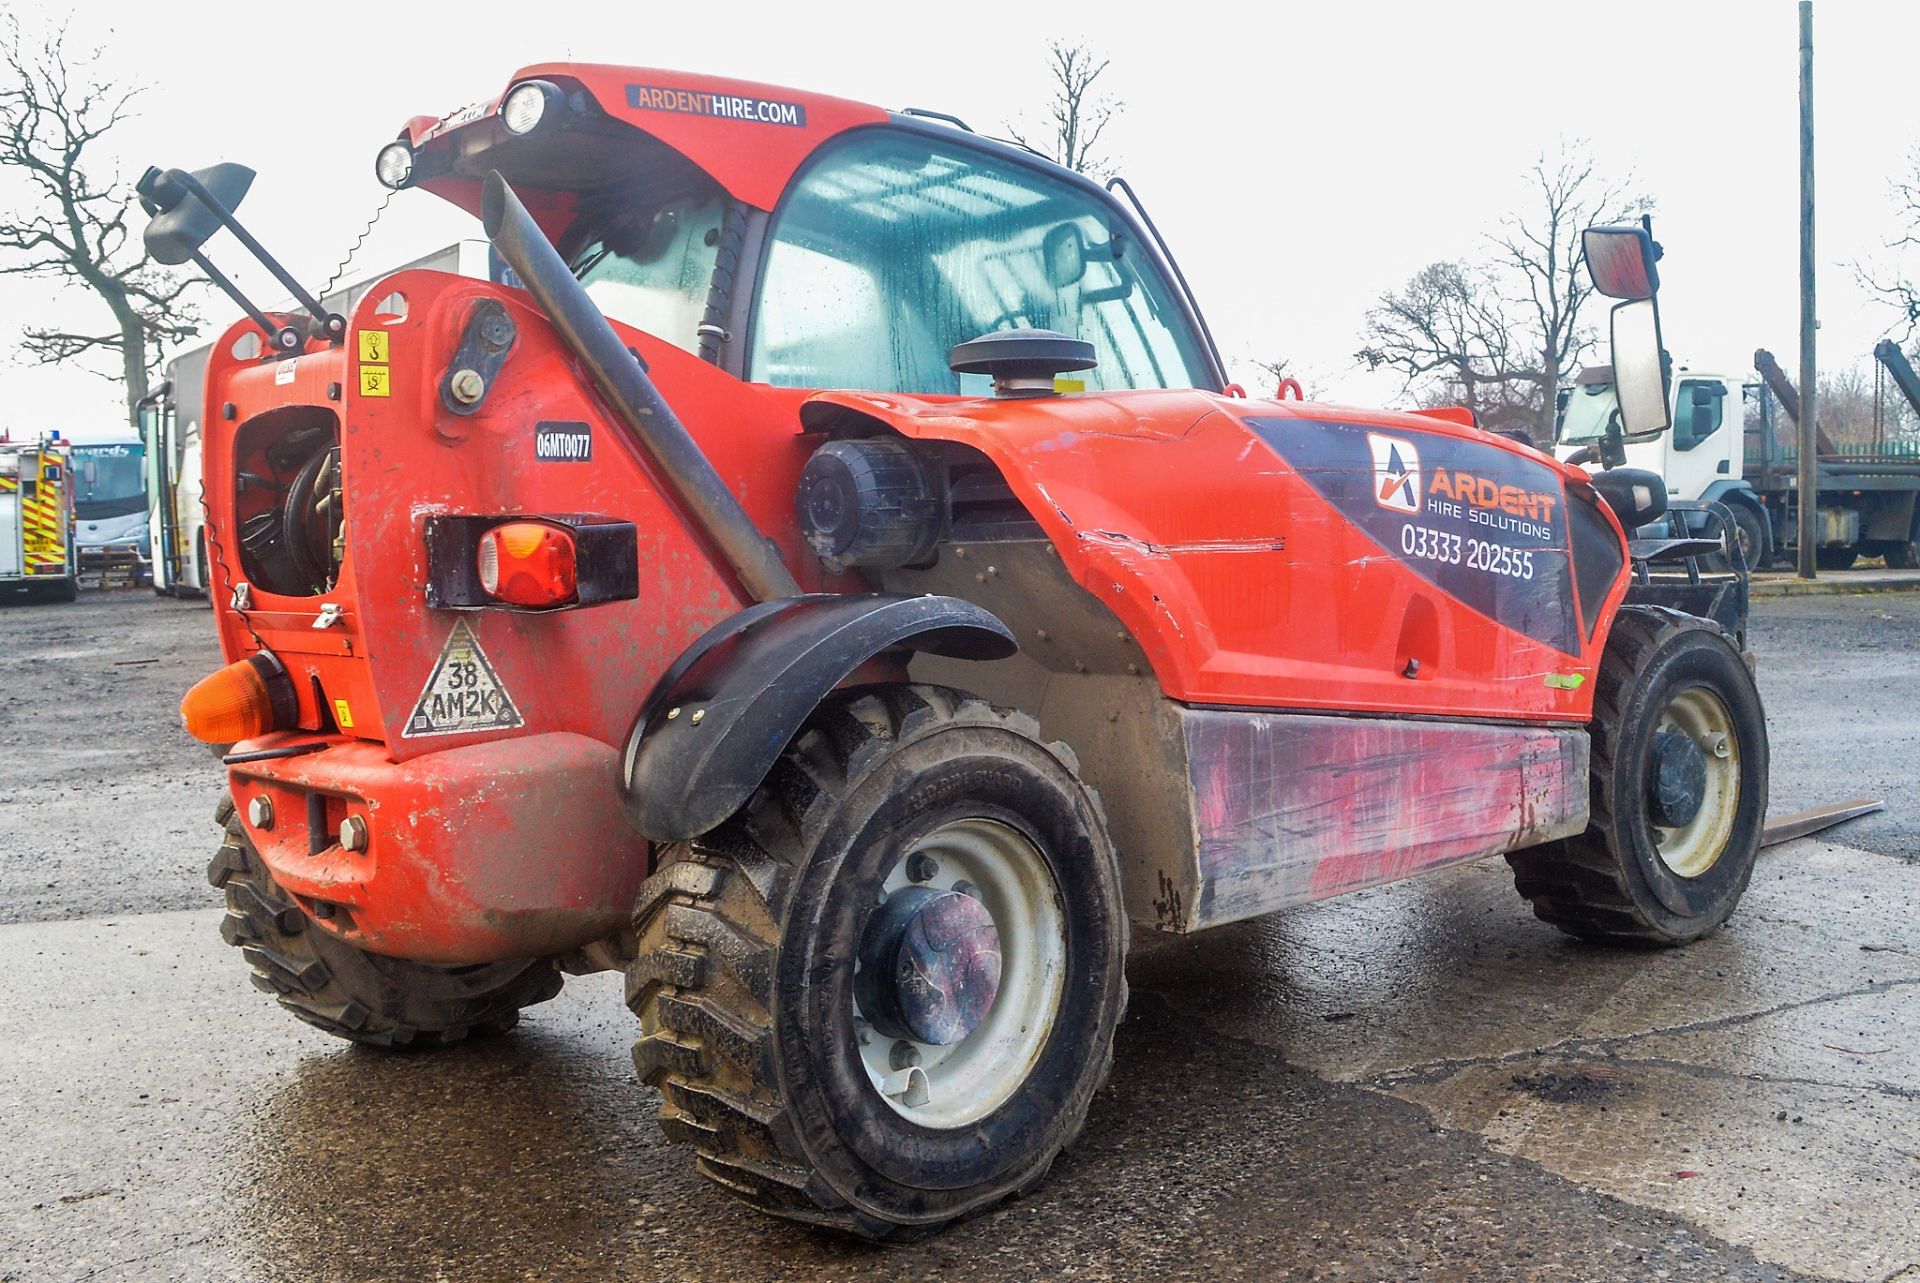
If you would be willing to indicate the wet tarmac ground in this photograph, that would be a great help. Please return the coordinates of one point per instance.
(1415, 1082)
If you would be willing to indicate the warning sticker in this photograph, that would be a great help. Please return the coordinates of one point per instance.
(374, 381)
(464, 694)
(375, 345)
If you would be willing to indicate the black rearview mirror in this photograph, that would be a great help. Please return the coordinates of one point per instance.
(1620, 261)
(182, 223)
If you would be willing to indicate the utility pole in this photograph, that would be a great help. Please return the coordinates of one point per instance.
(1808, 516)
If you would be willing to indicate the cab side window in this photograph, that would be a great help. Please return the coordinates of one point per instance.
(895, 246)
(1698, 412)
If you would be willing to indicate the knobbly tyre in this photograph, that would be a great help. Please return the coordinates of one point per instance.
(843, 591)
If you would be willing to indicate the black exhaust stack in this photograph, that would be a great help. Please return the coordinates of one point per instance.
(618, 374)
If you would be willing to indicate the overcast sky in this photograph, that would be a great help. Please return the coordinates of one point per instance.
(1301, 158)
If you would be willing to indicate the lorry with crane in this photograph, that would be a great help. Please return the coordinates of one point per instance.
(838, 587)
(1734, 442)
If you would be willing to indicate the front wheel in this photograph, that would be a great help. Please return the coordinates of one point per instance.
(882, 996)
(1750, 531)
(1678, 790)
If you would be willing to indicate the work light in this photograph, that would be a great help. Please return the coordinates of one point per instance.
(525, 105)
(394, 165)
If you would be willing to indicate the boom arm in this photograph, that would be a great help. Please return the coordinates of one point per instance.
(1788, 396)
(1888, 353)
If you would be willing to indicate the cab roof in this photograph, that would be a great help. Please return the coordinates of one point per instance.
(749, 137)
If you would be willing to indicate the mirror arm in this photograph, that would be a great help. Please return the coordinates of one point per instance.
(324, 324)
(276, 337)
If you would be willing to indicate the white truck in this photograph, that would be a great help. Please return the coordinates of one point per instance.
(170, 422)
(37, 554)
(1733, 442)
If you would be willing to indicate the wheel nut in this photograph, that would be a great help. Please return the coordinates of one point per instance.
(260, 812)
(903, 1055)
(353, 833)
(921, 867)
(466, 386)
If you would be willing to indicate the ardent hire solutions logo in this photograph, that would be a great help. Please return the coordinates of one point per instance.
(1396, 473)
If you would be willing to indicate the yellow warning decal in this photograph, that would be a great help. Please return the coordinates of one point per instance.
(374, 345)
(375, 380)
(342, 714)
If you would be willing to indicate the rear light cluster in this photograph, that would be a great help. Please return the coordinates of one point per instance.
(242, 701)
(527, 563)
(553, 561)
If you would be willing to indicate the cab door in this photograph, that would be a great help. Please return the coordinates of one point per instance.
(1702, 446)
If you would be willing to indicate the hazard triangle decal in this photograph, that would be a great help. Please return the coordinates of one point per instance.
(464, 694)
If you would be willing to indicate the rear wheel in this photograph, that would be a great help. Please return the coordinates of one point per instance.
(364, 997)
(1904, 554)
(1679, 790)
(1836, 558)
(882, 996)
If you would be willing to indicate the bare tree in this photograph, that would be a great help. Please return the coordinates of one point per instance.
(1079, 114)
(1446, 333)
(1896, 284)
(53, 108)
(1539, 254)
(1500, 334)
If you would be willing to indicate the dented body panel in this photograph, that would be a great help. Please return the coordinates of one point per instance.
(1249, 576)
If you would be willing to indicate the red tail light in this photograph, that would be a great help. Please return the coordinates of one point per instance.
(528, 563)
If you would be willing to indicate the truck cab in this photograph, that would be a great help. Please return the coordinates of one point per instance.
(1702, 458)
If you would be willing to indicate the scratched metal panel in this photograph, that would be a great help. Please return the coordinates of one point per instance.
(1289, 808)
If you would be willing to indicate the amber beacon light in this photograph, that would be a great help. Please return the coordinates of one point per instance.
(241, 701)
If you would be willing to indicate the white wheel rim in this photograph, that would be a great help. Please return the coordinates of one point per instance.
(954, 1085)
(1690, 849)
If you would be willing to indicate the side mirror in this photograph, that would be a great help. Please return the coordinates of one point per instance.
(1620, 261)
(1639, 368)
(1063, 253)
(182, 222)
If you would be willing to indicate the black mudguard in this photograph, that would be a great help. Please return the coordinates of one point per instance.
(721, 716)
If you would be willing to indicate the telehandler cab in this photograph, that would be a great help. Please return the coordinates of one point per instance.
(834, 582)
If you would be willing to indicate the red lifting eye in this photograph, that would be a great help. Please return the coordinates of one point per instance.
(528, 563)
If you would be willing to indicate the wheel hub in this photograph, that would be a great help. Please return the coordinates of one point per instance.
(929, 966)
(1679, 779)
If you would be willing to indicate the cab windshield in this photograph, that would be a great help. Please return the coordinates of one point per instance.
(1584, 418)
(895, 246)
(109, 480)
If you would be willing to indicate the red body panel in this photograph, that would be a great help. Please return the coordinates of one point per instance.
(1242, 584)
(460, 865)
